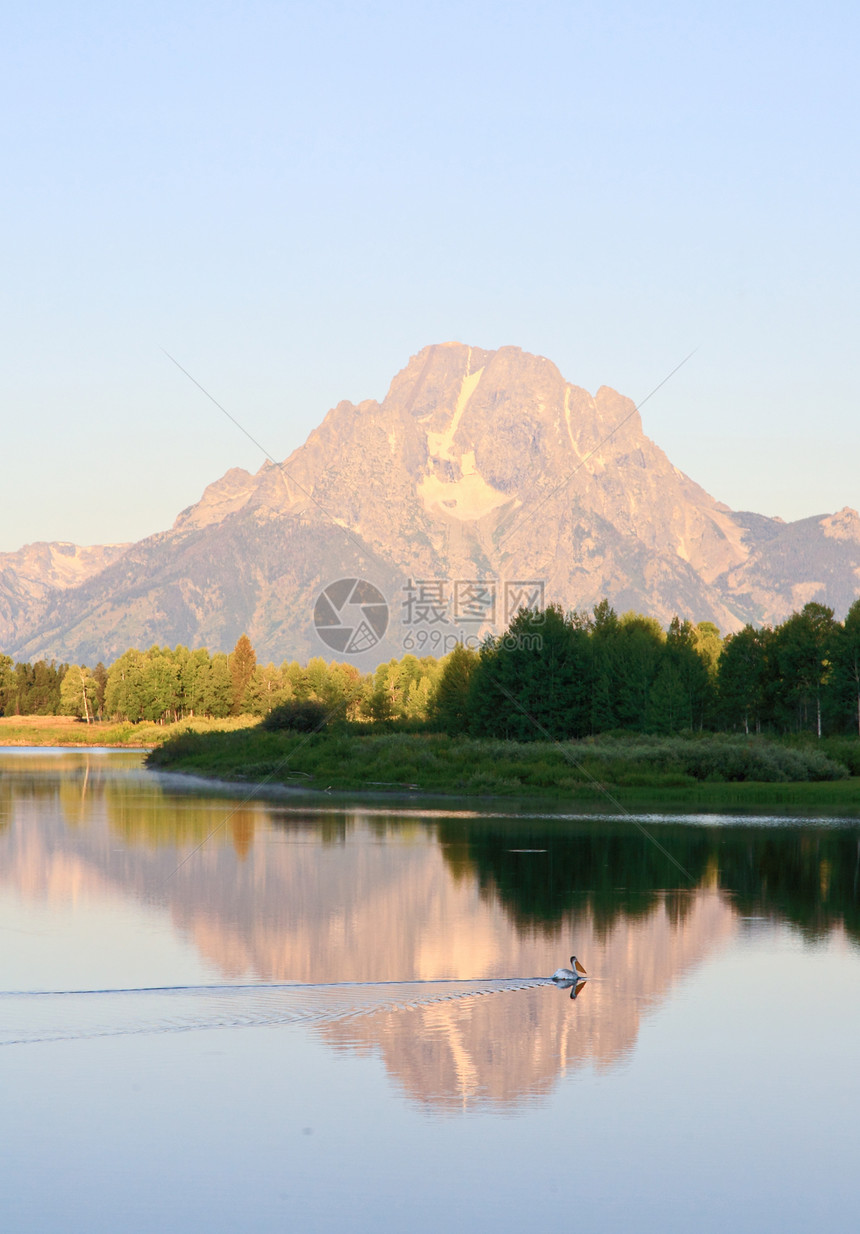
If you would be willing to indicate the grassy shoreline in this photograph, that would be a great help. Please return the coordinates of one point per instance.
(590, 776)
(76, 734)
(641, 774)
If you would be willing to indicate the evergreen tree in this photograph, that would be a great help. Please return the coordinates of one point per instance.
(846, 670)
(604, 621)
(30, 689)
(741, 678)
(603, 645)
(21, 691)
(637, 655)
(534, 681)
(709, 645)
(243, 661)
(668, 701)
(7, 685)
(450, 707)
(681, 652)
(803, 646)
(603, 717)
(377, 704)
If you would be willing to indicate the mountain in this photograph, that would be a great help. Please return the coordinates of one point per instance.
(478, 466)
(30, 577)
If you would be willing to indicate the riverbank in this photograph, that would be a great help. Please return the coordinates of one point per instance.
(68, 731)
(714, 773)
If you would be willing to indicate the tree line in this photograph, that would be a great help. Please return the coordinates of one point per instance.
(32, 689)
(163, 685)
(552, 674)
(571, 675)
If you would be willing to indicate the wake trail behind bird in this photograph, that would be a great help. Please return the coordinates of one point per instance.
(30, 1017)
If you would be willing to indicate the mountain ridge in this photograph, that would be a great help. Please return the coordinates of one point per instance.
(477, 465)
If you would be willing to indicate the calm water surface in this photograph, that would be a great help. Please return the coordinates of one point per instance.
(222, 1016)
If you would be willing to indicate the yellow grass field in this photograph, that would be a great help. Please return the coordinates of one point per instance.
(68, 731)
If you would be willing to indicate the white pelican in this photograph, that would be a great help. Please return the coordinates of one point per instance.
(575, 973)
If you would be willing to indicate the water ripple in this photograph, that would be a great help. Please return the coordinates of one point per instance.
(29, 1017)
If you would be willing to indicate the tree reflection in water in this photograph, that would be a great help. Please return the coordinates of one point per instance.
(539, 871)
(807, 875)
(321, 894)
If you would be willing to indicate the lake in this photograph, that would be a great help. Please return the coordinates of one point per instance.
(222, 1014)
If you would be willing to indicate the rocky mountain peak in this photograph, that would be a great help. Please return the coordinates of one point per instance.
(220, 499)
(843, 525)
(477, 465)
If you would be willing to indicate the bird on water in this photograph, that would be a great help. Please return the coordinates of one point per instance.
(575, 973)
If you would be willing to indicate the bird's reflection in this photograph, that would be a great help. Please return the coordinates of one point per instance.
(576, 987)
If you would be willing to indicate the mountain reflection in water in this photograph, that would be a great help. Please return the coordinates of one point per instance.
(353, 894)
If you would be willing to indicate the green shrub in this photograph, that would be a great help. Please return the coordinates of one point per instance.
(844, 750)
(297, 716)
(711, 758)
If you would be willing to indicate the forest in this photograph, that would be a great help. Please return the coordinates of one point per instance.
(550, 675)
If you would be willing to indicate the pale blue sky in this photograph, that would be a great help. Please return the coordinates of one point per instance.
(294, 198)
